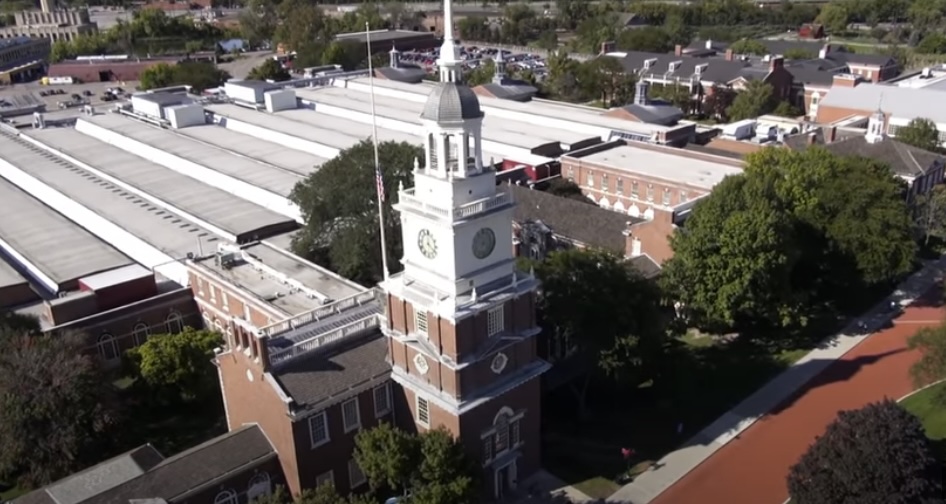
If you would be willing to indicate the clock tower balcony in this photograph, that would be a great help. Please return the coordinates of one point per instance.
(408, 200)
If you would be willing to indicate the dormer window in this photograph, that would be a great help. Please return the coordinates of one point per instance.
(701, 68)
(649, 63)
(673, 66)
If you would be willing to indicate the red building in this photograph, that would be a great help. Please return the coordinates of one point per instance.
(105, 70)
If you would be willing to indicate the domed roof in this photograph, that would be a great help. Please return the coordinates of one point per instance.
(451, 102)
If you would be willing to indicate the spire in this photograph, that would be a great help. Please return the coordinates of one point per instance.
(395, 57)
(876, 123)
(449, 61)
(499, 75)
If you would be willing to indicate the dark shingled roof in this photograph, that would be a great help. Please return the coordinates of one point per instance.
(655, 113)
(186, 472)
(511, 90)
(905, 160)
(451, 103)
(320, 378)
(646, 266)
(584, 223)
(716, 70)
(404, 72)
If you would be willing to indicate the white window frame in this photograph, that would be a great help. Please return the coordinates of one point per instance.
(421, 322)
(140, 333)
(422, 412)
(227, 496)
(313, 442)
(213, 293)
(666, 196)
(326, 477)
(495, 320)
(224, 301)
(603, 182)
(385, 391)
(174, 318)
(590, 182)
(619, 186)
(349, 423)
(487, 449)
(356, 477)
(635, 190)
(107, 340)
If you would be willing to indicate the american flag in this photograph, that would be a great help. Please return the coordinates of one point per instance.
(380, 181)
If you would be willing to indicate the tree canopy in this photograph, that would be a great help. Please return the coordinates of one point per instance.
(922, 133)
(797, 234)
(429, 468)
(56, 407)
(177, 366)
(338, 203)
(878, 454)
(197, 74)
(755, 100)
(269, 70)
(931, 367)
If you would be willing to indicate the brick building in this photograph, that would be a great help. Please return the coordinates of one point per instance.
(448, 343)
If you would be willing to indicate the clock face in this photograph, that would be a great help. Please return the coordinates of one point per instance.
(427, 243)
(499, 363)
(484, 241)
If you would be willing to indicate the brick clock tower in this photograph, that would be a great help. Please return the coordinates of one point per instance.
(460, 318)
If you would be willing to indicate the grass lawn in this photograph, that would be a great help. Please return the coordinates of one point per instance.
(706, 377)
(931, 412)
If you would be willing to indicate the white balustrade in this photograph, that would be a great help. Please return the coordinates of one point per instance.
(369, 322)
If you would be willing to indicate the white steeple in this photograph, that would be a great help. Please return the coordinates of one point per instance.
(449, 60)
(875, 127)
(499, 74)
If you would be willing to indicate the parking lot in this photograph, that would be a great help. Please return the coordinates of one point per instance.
(474, 56)
(93, 93)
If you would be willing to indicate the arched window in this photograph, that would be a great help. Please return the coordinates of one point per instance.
(141, 333)
(501, 424)
(108, 348)
(259, 485)
(174, 323)
(226, 497)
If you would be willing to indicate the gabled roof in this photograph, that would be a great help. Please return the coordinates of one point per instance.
(904, 160)
(717, 70)
(898, 102)
(510, 90)
(655, 113)
(584, 223)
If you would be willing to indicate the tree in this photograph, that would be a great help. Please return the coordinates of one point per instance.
(798, 53)
(755, 100)
(796, 233)
(835, 17)
(785, 109)
(568, 189)
(302, 23)
(930, 212)
(717, 102)
(547, 40)
(878, 454)
(338, 202)
(646, 38)
(931, 342)
(55, 407)
(177, 366)
(197, 74)
(749, 46)
(258, 21)
(269, 69)
(481, 74)
(347, 54)
(921, 133)
(430, 468)
(599, 307)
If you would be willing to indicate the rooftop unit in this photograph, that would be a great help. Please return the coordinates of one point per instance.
(153, 105)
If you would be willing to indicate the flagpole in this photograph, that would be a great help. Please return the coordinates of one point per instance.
(377, 160)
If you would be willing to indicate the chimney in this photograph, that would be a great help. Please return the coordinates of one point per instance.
(823, 53)
(678, 50)
(776, 62)
(607, 47)
(709, 44)
(729, 55)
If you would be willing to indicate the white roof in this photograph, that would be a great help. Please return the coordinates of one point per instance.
(496, 129)
(899, 102)
(664, 166)
(116, 276)
(209, 204)
(269, 177)
(9, 276)
(164, 230)
(49, 242)
(297, 161)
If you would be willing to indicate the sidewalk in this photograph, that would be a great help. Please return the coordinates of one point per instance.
(675, 465)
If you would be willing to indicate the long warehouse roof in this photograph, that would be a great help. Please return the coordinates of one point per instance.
(497, 129)
(229, 213)
(266, 176)
(164, 230)
(319, 128)
(297, 161)
(9, 276)
(49, 243)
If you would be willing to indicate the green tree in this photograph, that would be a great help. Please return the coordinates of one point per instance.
(798, 53)
(932, 43)
(572, 12)
(568, 189)
(920, 132)
(930, 213)
(430, 468)
(749, 46)
(931, 367)
(197, 74)
(258, 21)
(481, 74)
(717, 101)
(785, 109)
(341, 220)
(347, 54)
(755, 100)
(547, 40)
(646, 38)
(61, 50)
(878, 454)
(835, 17)
(177, 366)
(269, 69)
(598, 306)
(302, 23)
(56, 407)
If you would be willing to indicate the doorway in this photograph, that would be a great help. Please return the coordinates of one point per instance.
(505, 479)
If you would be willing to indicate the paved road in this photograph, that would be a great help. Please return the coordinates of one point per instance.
(752, 468)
